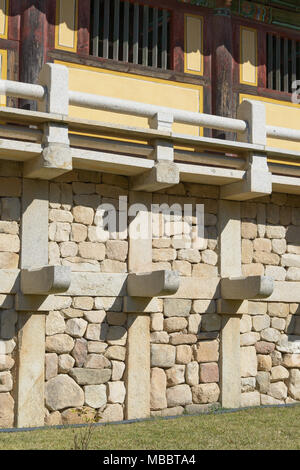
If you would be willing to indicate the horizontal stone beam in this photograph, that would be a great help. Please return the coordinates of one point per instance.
(97, 284)
(161, 176)
(45, 280)
(250, 287)
(285, 291)
(164, 282)
(232, 307)
(197, 288)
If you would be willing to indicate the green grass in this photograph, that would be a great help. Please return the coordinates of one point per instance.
(257, 428)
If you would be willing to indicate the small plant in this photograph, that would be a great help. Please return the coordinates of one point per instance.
(82, 439)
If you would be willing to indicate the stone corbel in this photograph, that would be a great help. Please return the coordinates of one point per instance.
(143, 288)
(45, 280)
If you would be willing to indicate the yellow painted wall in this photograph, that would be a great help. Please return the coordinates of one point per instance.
(3, 18)
(3, 72)
(281, 114)
(193, 44)
(136, 88)
(248, 56)
(66, 25)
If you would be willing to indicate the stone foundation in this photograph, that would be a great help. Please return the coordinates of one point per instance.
(86, 344)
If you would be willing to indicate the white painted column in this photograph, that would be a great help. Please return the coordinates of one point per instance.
(138, 340)
(230, 265)
(31, 326)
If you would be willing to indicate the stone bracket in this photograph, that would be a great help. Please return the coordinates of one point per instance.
(163, 175)
(256, 183)
(45, 280)
(153, 284)
(250, 287)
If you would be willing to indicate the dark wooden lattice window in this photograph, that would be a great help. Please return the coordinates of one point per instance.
(283, 62)
(130, 32)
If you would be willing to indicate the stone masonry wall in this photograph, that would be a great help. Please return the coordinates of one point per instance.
(86, 337)
(10, 211)
(270, 335)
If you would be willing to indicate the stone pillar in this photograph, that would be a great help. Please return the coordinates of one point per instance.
(138, 340)
(31, 326)
(230, 265)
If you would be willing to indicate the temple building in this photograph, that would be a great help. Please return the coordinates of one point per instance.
(149, 208)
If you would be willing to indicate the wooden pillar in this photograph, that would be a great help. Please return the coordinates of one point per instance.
(33, 41)
(222, 65)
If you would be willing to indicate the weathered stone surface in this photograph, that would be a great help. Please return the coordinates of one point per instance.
(62, 392)
(83, 303)
(116, 318)
(158, 389)
(157, 322)
(249, 230)
(278, 273)
(60, 344)
(206, 351)
(80, 352)
(260, 322)
(83, 215)
(263, 347)
(205, 393)
(249, 339)
(51, 365)
(183, 354)
(113, 266)
(118, 369)
(95, 395)
(96, 347)
(204, 270)
(92, 250)
(267, 400)
(263, 381)
(96, 332)
(116, 392)
(248, 384)
(250, 399)
(96, 361)
(174, 411)
(275, 231)
(163, 355)
(180, 395)
(291, 360)
(175, 375)
(76, 327)
(172, 324)
(82, 415)
(279, 373)
(116, 336)
(65, 363)
(90, 376)
(248, 361)
(270, 334)
(116, 352)
(290, 259)
(264, 362)
(247, 251)
(6, 410)
(294, 384)
(195, 408)
(113, 412)
(53, 419)
(194, 322)
(257, 308)
(117, 250)
(189, 254)
(159, 337)
(6, 382)
(204, 306)
(9, 243)
(209, 372)
(245, 324)
(180, 338)
(278, 390)
(278, 309)
(55, 323)
(192, 373)
(278, 323)
(211, 322)
(293, 274)
(6, 362)
(177, 307)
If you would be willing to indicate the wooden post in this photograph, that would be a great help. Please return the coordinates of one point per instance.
(222, 65)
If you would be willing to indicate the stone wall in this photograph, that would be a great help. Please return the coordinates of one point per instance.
(86, 337)
(10, 211)
(269, 350)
